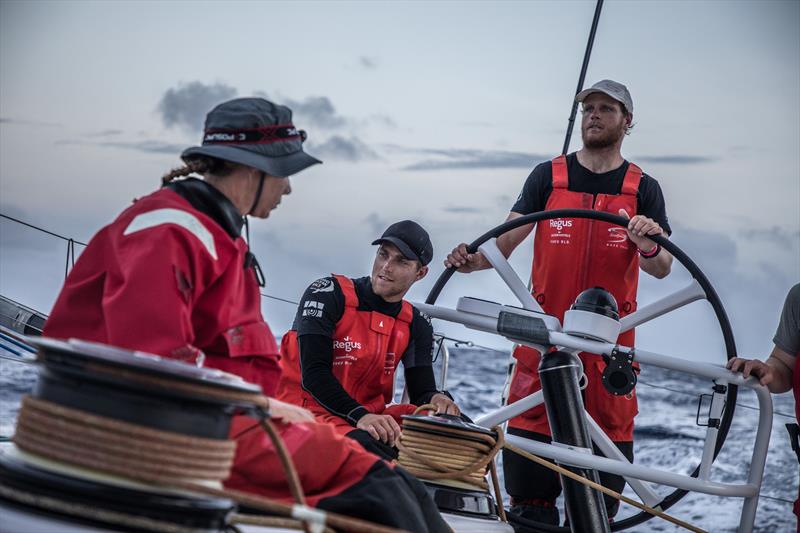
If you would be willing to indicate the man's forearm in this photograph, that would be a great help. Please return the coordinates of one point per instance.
(782, 373)
(421, 384)
(659, 266)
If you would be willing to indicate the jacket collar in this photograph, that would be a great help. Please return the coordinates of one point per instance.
(209, 201)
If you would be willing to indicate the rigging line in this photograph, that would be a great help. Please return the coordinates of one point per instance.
(777, 499)
(582, 77)
(676, 391)
(265, 295)
(41, 229)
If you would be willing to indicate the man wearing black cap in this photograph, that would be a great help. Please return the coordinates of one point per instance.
(571, 255)
(340, 357)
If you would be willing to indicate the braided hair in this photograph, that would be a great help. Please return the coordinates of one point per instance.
(201, 164)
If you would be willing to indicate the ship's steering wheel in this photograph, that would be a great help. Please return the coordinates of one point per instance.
(702, 289)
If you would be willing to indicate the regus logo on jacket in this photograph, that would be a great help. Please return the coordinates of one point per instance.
(560, 223)
(347, 344)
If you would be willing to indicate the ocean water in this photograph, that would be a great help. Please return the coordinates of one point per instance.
(666, 436)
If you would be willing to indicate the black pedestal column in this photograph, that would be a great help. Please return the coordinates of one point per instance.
(559, 373)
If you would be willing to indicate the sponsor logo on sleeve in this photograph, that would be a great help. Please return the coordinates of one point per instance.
(313, 309)
(322, 285)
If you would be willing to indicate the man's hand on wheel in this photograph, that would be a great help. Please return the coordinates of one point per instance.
(639, 227)
(463, 261)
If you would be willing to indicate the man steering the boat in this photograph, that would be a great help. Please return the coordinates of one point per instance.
(348, 337)
(571, 255)
(173, 276)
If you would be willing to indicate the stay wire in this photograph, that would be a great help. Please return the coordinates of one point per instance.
(70, 261)
(676, 391)
(41, 229)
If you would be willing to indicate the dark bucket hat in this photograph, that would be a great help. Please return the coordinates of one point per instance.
(256, 133)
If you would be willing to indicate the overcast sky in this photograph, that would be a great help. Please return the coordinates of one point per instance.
(431, 111)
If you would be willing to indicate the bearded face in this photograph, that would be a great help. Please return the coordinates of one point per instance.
(604, 122)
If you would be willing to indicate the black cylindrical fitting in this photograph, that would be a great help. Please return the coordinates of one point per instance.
(559, 374)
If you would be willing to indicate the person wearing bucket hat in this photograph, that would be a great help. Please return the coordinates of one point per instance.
(348, 337)
(173, 276)
(571, 255)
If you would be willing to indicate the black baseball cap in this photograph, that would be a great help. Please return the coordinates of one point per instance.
(411, 239)
(256, 133)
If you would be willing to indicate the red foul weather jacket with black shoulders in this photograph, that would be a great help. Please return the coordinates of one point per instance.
(571, 255)
(367, 347)
(166, 278)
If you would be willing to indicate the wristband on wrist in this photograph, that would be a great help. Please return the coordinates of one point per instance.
(651, 253)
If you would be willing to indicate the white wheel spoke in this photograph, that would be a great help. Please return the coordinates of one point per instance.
(690, 293)
(643, 489)
(493, 254)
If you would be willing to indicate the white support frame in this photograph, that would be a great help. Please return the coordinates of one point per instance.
(639, 477)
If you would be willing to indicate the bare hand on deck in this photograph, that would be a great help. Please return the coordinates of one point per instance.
(286, 412)
(445, 405)
(380, 427)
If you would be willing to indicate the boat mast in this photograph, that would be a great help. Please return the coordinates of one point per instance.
(586, 57)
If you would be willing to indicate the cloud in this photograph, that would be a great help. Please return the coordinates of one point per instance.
(675, 159)
(317, 111)
(752, 291)
(458, 209)
(105, 133)
(347, 149)
(472, 159)
(186, 106)
(377, 223)
(780, 236)
(382, 120)
(150, 147)
(368, 63)
(23, 122)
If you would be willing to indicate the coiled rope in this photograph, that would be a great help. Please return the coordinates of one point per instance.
(449, 456)
(164, 458)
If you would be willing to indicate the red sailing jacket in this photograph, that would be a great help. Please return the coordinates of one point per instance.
(571, 255)
(167, 279)
(367, 347)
